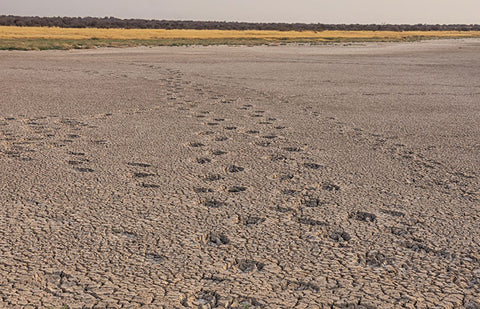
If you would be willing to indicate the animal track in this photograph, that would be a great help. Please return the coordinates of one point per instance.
(246, 265)
(234, 169)
(212, 177)
(138, 164)
(216, 239)
(339, 236)
(271, 136)
(203, 160)
(202, 190)
(212, 203)
(155, 258)
(220, 138)
(292, 149)
(218, 152)
(236, 189)
(142, 175)
(263, 144)
(84, 169)
(363, 216)
(253, 220)
(330, 187)
(283, 209)
(196, 144)
(312, 202)
(149, 185)
(313, 166)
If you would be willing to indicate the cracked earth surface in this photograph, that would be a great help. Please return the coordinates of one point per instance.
(241, 177)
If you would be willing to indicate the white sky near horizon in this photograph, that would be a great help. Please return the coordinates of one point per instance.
(306, 11)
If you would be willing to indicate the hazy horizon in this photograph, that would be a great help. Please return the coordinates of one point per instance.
(308, 11)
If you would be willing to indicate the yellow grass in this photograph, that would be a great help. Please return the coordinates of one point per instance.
(12, 32)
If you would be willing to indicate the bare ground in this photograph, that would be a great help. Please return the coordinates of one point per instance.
(241, 177)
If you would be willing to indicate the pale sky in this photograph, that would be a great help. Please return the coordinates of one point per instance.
(307, 11)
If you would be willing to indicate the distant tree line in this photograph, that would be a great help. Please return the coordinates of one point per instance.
(112, 22)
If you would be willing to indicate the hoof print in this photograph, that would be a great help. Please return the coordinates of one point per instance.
(195, 144)
(155, 258)
(212, 203)
(374, 258)
(339, 236)
(212, 177)
(249, 265)
(149, 185)
(312, 202)
(234, 169)
(202, 190)
(218, 152)
(215, 239)
(236, 189)
(84, 169)
(313, 166)
(138, 164)
(253, 220)
(203, 160)
(142, 175)
(393, 213)
(292, 149)
(363, 216)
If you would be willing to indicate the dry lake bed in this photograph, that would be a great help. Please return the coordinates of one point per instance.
(339, 176)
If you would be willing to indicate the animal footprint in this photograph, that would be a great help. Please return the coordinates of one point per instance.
(149, 185)
(220, 138)
(139, 164)
(339, 236)
(203, 160)
(234, 169)
(218, 152)
(246, 265)
(292, 149)
(313, 166)
(236, 189)
(253, 220)
(212, 203)
(142, 175)
(202, 190)
(215, 239)
(84, 169)
(363, 216)
(212, 177)
(195, 144)
(312, 202)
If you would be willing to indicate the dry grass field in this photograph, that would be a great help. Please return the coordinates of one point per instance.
(68, 38)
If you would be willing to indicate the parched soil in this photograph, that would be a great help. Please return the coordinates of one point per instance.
(343, 176)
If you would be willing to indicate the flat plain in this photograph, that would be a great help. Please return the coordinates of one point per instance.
(340, 176)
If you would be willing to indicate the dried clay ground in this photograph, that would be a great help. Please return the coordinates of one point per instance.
(241, 177)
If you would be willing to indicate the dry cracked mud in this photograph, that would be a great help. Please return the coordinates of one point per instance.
(341, 176)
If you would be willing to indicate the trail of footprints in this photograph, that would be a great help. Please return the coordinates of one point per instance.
(21, 136)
